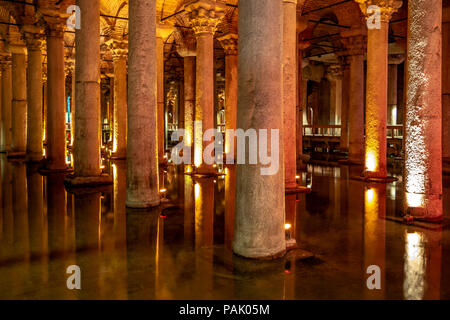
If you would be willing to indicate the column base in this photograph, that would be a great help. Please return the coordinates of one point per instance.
(374, 179)
(34, 159)
(118, 156)
(205, 171)
(296, 189)
(142, 204)
(258, 256)
(72, 181)
(350, 162)
(16, 154)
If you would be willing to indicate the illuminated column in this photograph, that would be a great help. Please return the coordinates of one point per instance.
(120, 52)
(230, 44)
(34, 87)
(142, 149)
(302, 97)
(86, 147)
(345, 102)
(335, 77)
(446, 88)
(423, 143)
(6, 103)
(259, 220)
(56, 123)
(19, 103)
(290, 91)
(163, 31)
(204, 16)
(376, 88)
(394, 61)
(355, 41)
(187, 50)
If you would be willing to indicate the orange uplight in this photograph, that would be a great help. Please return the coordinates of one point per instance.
(287, 226)
(371, 161)
(163, 190)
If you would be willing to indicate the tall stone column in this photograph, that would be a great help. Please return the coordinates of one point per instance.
(34, 87)
(163, 31)
(376, 89)
(345, 103)
(19, 102)
(290, 91)
(6, 103)
(355, 43)
(86, 148)
(335, 78)
(120, 53)
(230, 44)
(55, 124)
(187, 50)
(423, 143)
(260, 210)
(142, 150)
(394, 61)
(204, 16)
(446, 88)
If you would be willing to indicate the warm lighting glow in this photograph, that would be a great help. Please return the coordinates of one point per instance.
(114, 170)
(370, 195)
(163, 190)
(415, 200)
(197, 191)
(371, 161)
(297, 177)
(287, 226)
(415, 266)
(198, 145)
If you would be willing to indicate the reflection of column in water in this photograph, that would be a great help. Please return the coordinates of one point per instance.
(375, 236)
(422, 265)
(291, 214)
(38, 221)
(88, 241)
(141, 251)
(204, 211)
(189, 210)
(7, 213)
(230, 193)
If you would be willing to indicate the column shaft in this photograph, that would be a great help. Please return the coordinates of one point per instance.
(189, 102)
(19, 104)
(160, 97)
(231, 91)
(6, 105)
(446, 88)
(260, 209)
(392, 94)
(423, 144)
(120, 108)
(345, 107)
(142, 150)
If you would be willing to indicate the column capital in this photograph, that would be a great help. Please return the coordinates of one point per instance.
(229, 43)
(387, 7)
(396, 58)
(355, 41)
(335, 72)
(186, 44)
(56, 22)
(34, 37)
(205, 15)
(5, 60)
(119, 48)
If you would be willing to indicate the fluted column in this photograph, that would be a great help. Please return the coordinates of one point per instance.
(423, 144)
(120, 52)
(163, 31)
(230, 44)
(204, 16)
(86, 147)
(19, 102)
(55, 125)
(260, 210)
(6, 103)
(142, 150)
(34, 87)
(376, 90)
(355, 44)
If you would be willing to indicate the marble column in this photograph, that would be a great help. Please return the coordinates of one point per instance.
(376, 89)
(423, 143)
(34, 87)
(345, 103)
(204, 16)
(446, 88)
(56, 123)
(355, 41)
(260, 210)
(142, 150)
(19, 103)
(87, 143)
(394, 61)
(335, 77)
(120, 52)
(6, 103)
(230, 44)
(290, 91)
(163, 31)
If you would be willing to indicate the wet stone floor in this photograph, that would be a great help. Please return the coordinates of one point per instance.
(182, 249)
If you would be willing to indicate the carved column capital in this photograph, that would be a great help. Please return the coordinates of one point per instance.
(229, 43)
(355, 41)
(387, 7)
(186, 45)
(119, 48)
(34, 37)
(56, 23)
(205, 15)
(335, 72)
(396, 58)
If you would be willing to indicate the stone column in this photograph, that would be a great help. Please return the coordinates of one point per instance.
(230, 44)
(87, 143)
(290, 91)
(394, 61)
(120, 52)
(19, 102)
(446, 88)
(260, 210)
(423, 143)
(345, 103)
(335, 77)
(376, 89)
(163, 31)
(355, 41)
(55, 125)
(204, 16)
(142, 150)
(6, 103)
(34, 87)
